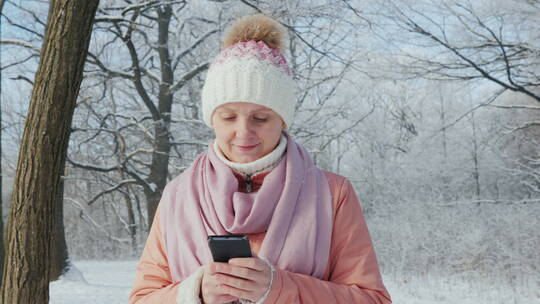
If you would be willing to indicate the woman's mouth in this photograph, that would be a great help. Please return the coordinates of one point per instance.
(246, 148)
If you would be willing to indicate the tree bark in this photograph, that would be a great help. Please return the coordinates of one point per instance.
(162, 146)
(1, 171)
(43, 150)
(476, 172)
(59, 253)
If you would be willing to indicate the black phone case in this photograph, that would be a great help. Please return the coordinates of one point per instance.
(225, 247)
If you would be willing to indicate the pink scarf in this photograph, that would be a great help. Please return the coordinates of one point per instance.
(293, 206)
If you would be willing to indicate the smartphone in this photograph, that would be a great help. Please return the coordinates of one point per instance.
(225, 247)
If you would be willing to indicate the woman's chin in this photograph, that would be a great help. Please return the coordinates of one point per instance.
(242, 159)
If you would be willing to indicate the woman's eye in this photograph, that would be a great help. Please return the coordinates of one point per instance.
(229, 118)
(260, 119)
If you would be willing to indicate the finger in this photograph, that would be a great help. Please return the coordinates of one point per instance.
(252, 263)
(225, 298)
(241, 272)
(236, 282)
(220, 297)
(211, 291)
(214, 267)
(238, 293)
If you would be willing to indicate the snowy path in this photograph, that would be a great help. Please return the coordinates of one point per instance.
(110, 282)
(107, 282)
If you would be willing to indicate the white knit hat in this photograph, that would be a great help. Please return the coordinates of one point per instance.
(251, 68)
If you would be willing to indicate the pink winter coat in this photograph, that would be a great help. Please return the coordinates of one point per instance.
(352, 275)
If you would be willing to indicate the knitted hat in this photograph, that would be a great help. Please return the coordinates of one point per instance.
(251, 68)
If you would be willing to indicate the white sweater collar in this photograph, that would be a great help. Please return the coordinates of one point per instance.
(263, 164)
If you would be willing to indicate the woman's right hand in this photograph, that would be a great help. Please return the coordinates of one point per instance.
(211, 292)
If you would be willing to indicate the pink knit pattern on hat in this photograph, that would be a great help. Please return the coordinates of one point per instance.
(255, 49)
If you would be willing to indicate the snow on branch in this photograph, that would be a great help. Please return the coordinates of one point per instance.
(110, 18)
(189, 142)
(91, 221)
(20, 43)
(150, 74)
(92, 166)
(527, 125)
(111, 189)
(502, 68)
(119, 216)
(192, 47)
(144, 5)
(93, 59)
(516, 107)
(487, 201)
(188, 76)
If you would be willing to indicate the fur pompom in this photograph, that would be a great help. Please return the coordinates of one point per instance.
(256, 27)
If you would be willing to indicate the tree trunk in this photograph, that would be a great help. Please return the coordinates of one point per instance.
(59, 252)
(162, 146)
(131, 216)
(1, 171)
(443, 169)
(476, 172)
(43, 150)
(131, 222)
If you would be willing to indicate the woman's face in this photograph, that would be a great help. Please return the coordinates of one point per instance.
(246, 131)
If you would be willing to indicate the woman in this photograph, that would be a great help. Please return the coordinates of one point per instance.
(305, 226)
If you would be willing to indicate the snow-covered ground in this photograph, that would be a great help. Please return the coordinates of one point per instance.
(99, 282)
(110, 282)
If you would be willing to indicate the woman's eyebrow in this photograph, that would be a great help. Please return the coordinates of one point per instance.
(252, 112)
(225, 110)
(262, 110)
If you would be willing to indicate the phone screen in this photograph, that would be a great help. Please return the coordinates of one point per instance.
(225, 247)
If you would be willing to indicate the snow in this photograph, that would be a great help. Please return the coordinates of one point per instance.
(448, 290)
(101, 282)
(110, 282)
(22, 43)
(109, 18)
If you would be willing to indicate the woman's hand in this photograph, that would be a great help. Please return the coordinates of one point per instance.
(241, 278)
(211, 291)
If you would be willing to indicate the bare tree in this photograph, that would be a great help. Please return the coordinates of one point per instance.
(137, 122)
(466, 41)
(149, 77)
(43, 150)
(29, 52)
(155, 87)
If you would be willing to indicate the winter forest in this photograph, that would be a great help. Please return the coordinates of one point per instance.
(430, 108)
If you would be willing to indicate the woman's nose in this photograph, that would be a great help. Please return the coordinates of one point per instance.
(243, 128)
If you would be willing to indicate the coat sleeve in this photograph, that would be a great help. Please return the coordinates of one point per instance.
(354, 275)
(153, 281)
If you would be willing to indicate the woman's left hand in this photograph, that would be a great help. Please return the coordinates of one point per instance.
(244, 278)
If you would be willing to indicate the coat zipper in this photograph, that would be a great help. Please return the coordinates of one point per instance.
(248, 183)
